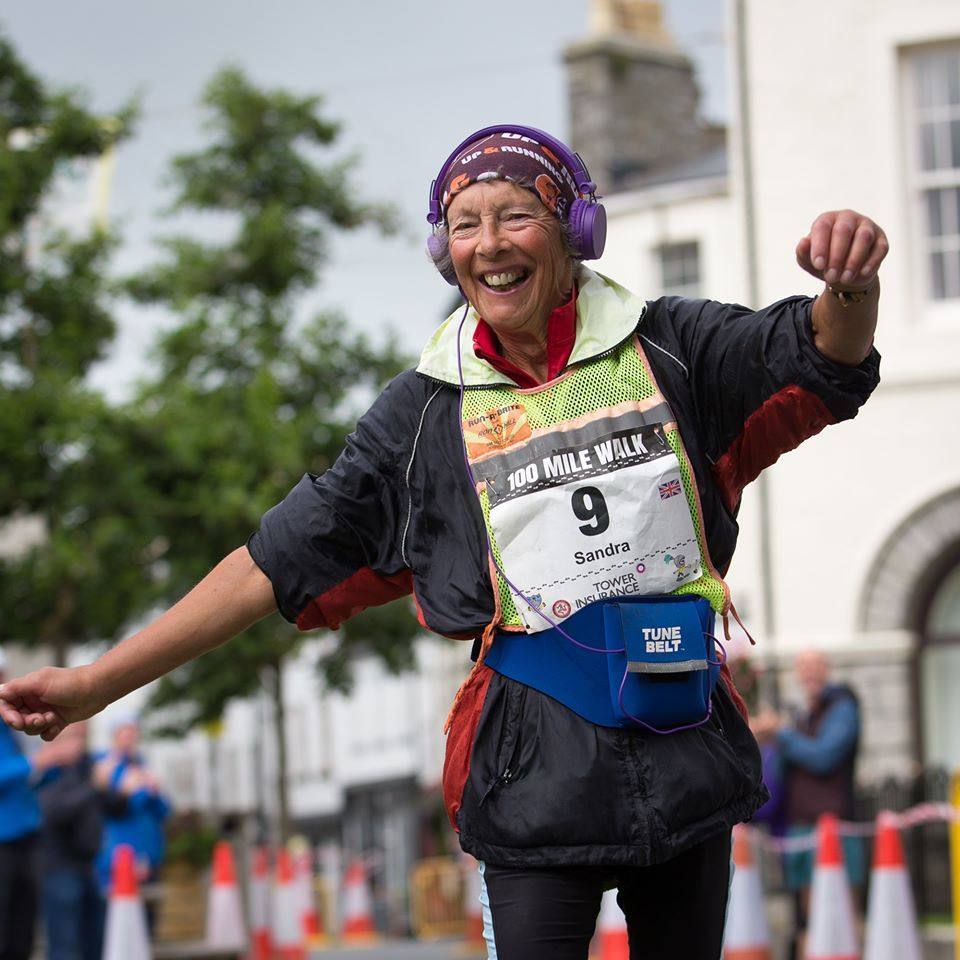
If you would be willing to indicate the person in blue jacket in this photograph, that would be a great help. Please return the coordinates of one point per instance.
(818, 751)
(122, 770)
(19, 823)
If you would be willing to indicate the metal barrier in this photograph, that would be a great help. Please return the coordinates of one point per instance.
(436, 898)
(927, 845)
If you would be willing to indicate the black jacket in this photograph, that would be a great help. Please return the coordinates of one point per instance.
(73, 810)
(396, 513)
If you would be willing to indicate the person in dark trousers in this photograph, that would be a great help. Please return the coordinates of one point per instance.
(818, 751)
(19, 823)
(73, 810)
(556, 482)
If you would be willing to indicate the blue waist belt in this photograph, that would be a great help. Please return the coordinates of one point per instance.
(651, 662)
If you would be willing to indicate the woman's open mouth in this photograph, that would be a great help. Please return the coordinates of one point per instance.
(505, 281)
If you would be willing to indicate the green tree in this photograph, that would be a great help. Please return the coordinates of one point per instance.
(64, 473)
(247, 394)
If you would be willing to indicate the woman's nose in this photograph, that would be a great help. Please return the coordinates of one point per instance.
(492, 237)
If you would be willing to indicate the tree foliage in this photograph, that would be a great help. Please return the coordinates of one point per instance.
(62, 459)
(134, 502)
(248, 394)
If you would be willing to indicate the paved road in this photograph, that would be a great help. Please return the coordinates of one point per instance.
(398, 950)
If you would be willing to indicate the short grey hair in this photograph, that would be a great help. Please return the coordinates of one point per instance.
(444, 262)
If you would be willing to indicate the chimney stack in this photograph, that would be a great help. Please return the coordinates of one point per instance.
(632, 95)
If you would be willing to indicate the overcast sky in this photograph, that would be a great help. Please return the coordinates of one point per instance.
(407, 81)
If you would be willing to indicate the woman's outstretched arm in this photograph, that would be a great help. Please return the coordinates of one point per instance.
(233, 596)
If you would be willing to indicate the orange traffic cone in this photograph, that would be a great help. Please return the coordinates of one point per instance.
(260, 945)
(225, 926)
(126, 931)
(747, 936)
(473, 940)
(892, 932)
(612, 929)
(357, 906)
(303, 879)
(287, 933)
(832, 934)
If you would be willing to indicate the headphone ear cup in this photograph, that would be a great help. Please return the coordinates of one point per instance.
(588, 228)
(438, 252)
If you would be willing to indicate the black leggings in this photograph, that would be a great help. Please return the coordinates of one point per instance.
(674, 910)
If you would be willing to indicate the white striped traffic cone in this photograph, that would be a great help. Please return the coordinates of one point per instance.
(747, 935)
(126, 931)
(832, 934)
(357, 906)
(260, 945)
(225, 926)
(612, 941)
(286, 931)
(310, 921)
(892, 932)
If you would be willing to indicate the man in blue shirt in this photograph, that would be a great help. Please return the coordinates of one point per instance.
(19, 822)
(818, 751)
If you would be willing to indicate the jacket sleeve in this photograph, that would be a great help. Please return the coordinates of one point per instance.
(14, 769)
(63, 799)
(759, 385)
(332, 546)
(823, 752)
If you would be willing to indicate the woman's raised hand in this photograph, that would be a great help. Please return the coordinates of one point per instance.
(844, 249)
(45, 701)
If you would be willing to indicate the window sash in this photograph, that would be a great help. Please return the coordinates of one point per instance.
(680, 269)
(934, 122)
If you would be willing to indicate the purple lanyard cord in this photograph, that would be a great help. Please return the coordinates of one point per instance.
(516, 590)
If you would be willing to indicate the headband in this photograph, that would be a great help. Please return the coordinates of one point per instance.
(518, 159)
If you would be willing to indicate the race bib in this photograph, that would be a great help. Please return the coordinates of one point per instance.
(592, 508)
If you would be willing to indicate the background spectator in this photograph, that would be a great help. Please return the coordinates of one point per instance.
(19, 822)
(122, 770)
(818, 750)
(70, 839)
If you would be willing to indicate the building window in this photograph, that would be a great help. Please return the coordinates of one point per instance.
(680, 269)
(934, 92)
(940, 673)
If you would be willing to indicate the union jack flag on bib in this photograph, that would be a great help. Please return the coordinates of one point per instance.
(669, 489)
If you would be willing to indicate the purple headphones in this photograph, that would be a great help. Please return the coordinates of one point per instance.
(587, 219)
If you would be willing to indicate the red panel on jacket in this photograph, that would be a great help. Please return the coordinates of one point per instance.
(463, 731)
(364, 589)
(783, 421)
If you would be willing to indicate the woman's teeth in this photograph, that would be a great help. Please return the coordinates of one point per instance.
(501, 280)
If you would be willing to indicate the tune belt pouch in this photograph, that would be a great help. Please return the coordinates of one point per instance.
(669, 668)
(636, 661)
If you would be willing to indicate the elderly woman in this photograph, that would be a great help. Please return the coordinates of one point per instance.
(558, 481)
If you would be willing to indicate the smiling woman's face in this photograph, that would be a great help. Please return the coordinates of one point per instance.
(509, 256)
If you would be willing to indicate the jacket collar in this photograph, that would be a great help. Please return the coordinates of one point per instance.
(606, 316)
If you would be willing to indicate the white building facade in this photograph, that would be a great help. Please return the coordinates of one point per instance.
(853, 104)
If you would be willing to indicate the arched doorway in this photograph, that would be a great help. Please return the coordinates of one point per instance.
(914, 585)
(939, 668)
